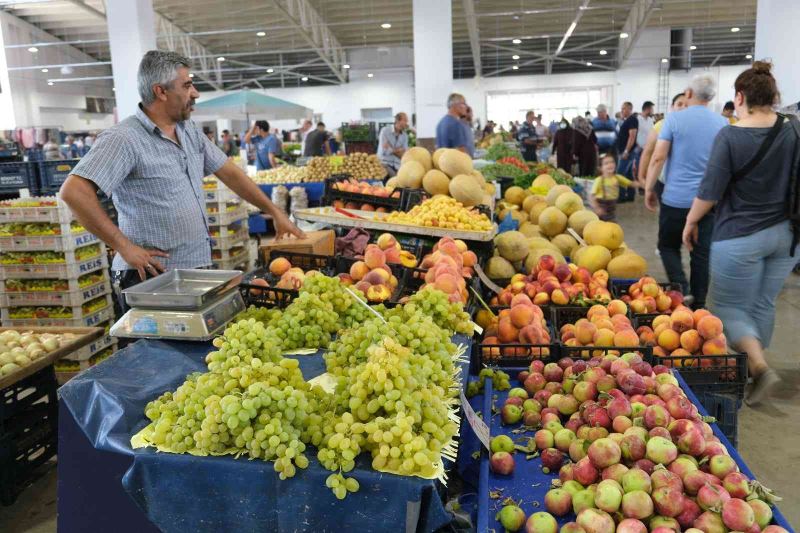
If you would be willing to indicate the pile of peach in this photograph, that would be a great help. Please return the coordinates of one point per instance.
(604, 325)
(647, 296)
(556, 284)
(361, 187)
(685, 332)
(372, 276)
(523, 323)
(289, 277)
(447, 266)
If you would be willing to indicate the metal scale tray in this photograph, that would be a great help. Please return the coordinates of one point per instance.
(188, 289)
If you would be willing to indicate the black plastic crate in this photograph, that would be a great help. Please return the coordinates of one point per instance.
(725, 408)
(569, 315)
(514, 354)
(17, 175)
(619, 287)
(28, 441)
(52, 174)
(276, 297)
(20, 396)
(332, 194)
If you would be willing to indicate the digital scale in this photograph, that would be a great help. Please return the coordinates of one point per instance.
(182, 304)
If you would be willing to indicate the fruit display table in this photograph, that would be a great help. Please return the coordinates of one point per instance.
(528, 484)
(143, 490)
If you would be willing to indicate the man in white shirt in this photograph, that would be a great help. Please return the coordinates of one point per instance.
(646, 123)
(393, 143)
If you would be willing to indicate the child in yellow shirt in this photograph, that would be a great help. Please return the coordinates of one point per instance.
(605, 189)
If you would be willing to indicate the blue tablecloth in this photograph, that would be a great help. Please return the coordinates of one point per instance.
(184, 493)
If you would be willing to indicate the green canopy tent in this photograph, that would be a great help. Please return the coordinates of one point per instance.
(246, 103)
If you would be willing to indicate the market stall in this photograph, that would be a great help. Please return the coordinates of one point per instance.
(245, 103)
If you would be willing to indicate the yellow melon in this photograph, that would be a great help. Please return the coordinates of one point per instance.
(552, 221)
(454, 162)
(436, 182)
(579, 219)
(544, 180)
(410, 174)
(514, 195)
(435, 157)
(608, 234)
(464, 189)
(420, 155)
(555, 192)
(594, 258)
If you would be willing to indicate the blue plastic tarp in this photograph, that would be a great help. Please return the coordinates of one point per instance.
(186, 493)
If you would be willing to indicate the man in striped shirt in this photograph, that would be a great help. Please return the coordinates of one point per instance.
(152, 165)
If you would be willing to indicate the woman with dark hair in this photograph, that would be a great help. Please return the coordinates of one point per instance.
(562, 145)
(584, 146)
(753, 242)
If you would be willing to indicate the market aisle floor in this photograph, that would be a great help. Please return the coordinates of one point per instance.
(767, 435)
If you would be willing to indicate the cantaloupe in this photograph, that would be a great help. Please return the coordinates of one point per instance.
(410, 174)
(594, 258)
(436, 182)
(420, 155)
(538, 243)
(514, 195)
(435, 157)
(552, 221)
(555, 192)
(569, 203)
(454, 162)
(392, 183)
(579, 219)
(512, 245)
(464, 189)
(544, 180)
(531, 200)
(478, 177)
(529, 229)
(608, 234)
(536, 211)
(628, 265)
(499, 268)
(565, 243)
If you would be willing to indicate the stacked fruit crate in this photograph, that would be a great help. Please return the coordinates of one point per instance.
(226, 215)
(53, 272)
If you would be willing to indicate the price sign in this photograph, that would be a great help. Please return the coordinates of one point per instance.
(478, 426)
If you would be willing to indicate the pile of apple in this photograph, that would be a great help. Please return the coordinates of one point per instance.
(683, 333)
(448, 264)
(631, 451)
(647, 296)
(523, 323)
(560, 284)
(604, 325)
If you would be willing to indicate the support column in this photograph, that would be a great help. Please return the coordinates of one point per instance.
(433, 65)
(777, 40)
(131, 32)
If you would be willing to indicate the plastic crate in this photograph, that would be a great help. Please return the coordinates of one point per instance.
(723, 374)
(562, 315)
(66, 285)
(77, 310)
(55, 214)
(275, 297)
(226, 218)
(91, 320)
(52, 174)
(68, 241)
(227, 241)
(19, 396)
(725, 408)
(61, 298)
(220, 195)
(17, 175)
(90, 350)
(29, 440)
(230, 261)
(332, 194)
(54, 271)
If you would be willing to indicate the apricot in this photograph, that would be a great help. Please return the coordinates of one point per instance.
(669, 339)
(617, 307)
(358, 270)
(279, 266)
(691, 341)
(709, 327)
(716, 346)
(682, 320)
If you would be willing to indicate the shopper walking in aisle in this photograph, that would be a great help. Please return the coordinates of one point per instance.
(393, 143)
(727, 112)
(584, 146)
(605, 128)
(562, 145)
(50, 150)
(228, 147)
(678, 103)
(302, 133)
(450, 131)
(606, 188)
(526, 135)
(645, 125)
(152, 164)
(317, 142)
(685, 139)
(748, 179)
(626, 146)
(265, 145)
(466, 121)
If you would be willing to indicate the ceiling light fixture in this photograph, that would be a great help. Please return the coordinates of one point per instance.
(221, 58)
(736, 29)
(270, 70)
(261, 34)
(515, 67)
(692, 47)
(33, 49)
(345, 66)
(370, 75)
(603, 52)
(191, 75)
(304, 78)
(749, 56)
(45, 70)
(114, 89)
(50, 83)
(588, 63)
(515, 57)
(386, 25)
(664, 60)
(517, 41)
(623, 35)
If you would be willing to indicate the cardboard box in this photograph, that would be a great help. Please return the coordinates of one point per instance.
(316, 242)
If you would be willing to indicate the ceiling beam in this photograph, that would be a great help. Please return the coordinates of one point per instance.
(474, 36)
(639, 14)
(574, 24)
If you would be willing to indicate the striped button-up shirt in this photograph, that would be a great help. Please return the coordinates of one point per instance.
(156, 186)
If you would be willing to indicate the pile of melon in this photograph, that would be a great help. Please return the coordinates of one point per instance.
(447, 171)
(544, 224)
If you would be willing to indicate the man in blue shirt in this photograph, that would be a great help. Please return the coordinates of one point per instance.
(467, 121)
(528, 137)
(266, 145)
(450, 132)
(686, 139)
(605, 128)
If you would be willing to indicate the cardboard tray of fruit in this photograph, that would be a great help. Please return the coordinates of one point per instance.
(84, 336)
(90, 320)
(376, 221)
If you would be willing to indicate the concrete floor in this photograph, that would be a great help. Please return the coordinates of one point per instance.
(766, 434)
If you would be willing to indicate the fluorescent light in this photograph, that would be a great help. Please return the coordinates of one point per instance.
(517, 41)
(735, 29)
(345, 66)
(749, 56)
(623, 35)
(386, 25)
(692, 47)
(304, 78)
(221, 58)
(50, 83)
(45, 70)
(566, 37)
(33, 49)
(515, 57)
(515, 67)
(270, 70)
(191, 75)
(603, 52)
(664, 60)
(588, 63)
(370, 75)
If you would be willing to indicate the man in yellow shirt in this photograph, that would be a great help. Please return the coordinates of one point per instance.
(727, 112)
(605, 189)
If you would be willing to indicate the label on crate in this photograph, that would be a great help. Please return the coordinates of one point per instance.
(478, 426)
(97, 290)
(85, 239)
(12, 180)
(91, 265)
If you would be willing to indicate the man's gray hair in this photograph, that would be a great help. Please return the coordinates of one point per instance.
(703, 87)
(455, 98)
(158, 68)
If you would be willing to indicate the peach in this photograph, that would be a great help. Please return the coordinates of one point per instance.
(546, 262)
(386, 241)
(562, 272)
(366, 207)
(682, 320)
(374, 277)
(407, 259)
(669, 339)
(646, 336)
(620, 321)
(345, 279)
(584, 331)
(597, 309)
(446, 283)
(617, 307)
(663, 302)
(603, 337)
(581, 275)
(378, 293)
(521, 299)
(469, 258)
(567, 328)
(541, 298)
(626, 338)
(651, 289)
(460, 245)
(659, 351)
(638, 307)
(716, 346)
(700, 313)
(709, 327)
(550, 285)
(358, 270)
(517, 287)
(374, 256)
(603, 323)
(363, 286)
(522, 315)
(279, 266)
(258, 282)
(649, 304)
(533, 334)
(392, 255)
(351, 205)
(659, 328)
(506, 331)
(661, 319)
(680, 363)
(559, 297)
(691, 341)
(451, 249)
(392, 282)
